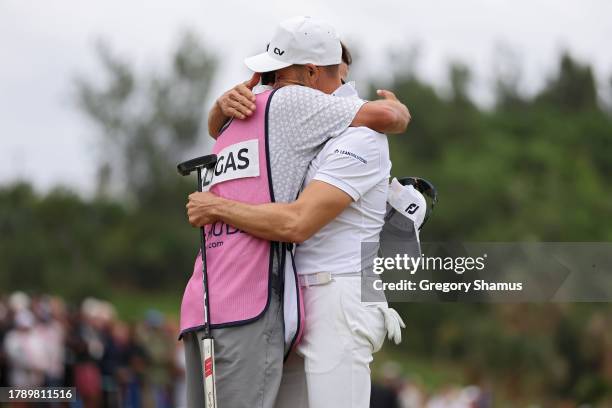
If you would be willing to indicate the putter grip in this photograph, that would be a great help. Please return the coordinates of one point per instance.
(210, 392)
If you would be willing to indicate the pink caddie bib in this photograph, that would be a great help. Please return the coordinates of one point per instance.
(239, 265)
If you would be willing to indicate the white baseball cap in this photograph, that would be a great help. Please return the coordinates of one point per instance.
(299, 40)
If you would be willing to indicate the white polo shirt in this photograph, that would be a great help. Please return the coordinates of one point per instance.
(357, 162)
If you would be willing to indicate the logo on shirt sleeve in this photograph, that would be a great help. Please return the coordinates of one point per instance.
(351, 154)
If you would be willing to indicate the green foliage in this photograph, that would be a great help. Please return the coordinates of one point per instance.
(132, 304)
(63, 244)
(50, 243)
(149, 122)
(573, 89)
(138, 237)
(531, 168)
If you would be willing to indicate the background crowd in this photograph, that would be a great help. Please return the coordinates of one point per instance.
(46, 342)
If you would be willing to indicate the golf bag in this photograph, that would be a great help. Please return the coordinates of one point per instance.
(407, 212)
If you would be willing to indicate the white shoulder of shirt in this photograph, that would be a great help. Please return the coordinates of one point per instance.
(362, 139)
(354, 161)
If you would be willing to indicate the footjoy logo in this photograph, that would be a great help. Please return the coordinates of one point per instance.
(412, 208)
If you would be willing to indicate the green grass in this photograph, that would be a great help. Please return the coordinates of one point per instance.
(431, 374)
(132, 305)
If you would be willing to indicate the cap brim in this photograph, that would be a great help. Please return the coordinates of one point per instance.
(264, 63)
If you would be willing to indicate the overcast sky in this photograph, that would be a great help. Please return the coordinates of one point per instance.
(45, 44)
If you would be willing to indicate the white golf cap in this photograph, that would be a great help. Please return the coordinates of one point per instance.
(299, 40)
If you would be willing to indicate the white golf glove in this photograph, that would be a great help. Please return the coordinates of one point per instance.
(393, 323)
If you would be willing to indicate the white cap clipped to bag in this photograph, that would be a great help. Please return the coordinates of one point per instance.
(299, 40)
(408, 201)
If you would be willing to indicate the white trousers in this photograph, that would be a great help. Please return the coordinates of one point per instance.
(331, 367)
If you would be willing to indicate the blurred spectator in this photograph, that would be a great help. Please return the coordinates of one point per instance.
(25, 352)
(4, 328)
(131, 371)
(385, 393)
(112, 364)
(51, 331)
(158, 346)
(455, 397)
(115, 364)
(412, 395)
(395, 390)
(180, 386)
(383, 397)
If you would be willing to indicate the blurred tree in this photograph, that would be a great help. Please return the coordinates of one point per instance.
(51, 243)
(148, 123)
(507, 71)
(528, 169)
(460, 77)
(572, 89)
(524, 170)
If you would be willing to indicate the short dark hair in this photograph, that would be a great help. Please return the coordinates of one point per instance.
(268, 78)
(347, 58)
